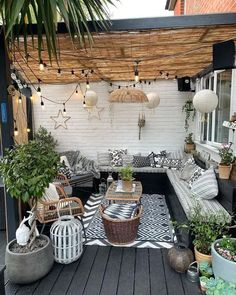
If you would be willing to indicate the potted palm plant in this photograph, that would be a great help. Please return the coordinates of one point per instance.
(206, 228)
(224, 258)
(126, 174)
(189, 143)
(27, 170)
(225, 165)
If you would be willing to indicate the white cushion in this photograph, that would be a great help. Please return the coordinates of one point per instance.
(206, 186)
(187, 171)
(103, 158)
(50, 193)
(63, 159)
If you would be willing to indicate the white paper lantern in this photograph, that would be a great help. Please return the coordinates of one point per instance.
(153, 100)
(91, 98)
(205, 101)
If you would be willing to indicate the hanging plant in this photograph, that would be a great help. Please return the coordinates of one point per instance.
(190, 113)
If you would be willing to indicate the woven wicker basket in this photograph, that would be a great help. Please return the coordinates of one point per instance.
(121, 232)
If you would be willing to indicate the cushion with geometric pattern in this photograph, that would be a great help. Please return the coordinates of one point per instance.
(121, 211)
(141, 161)
(116, 156)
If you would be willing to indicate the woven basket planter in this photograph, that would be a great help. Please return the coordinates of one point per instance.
(121, 232)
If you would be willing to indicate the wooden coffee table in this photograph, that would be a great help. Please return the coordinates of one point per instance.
(113, 196)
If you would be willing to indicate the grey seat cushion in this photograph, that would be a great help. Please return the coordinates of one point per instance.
(188, 201)
(135, 169)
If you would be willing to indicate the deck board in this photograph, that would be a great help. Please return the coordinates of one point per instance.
(82, 273)
(112, 271)
(95, 280)
(111, 278)
(157, 274)
(126, 280)
(142, 278)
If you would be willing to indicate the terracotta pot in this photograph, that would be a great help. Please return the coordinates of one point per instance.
(189, 147)
(224, 171)
(200, 257)
(127, 186)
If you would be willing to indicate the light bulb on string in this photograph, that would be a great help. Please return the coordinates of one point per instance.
(136, 76)
(59, 72)
(167, 76)
(175, 78)
(64, 109)
(87, 85)
(39, 91)
(41, 65)
(72, 73)
(20, 99)
(28, 130)
(42, 103)
(84, 103)
(16, 132)
(76, 92)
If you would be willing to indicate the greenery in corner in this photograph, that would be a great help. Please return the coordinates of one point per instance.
(45, 137)
(206, 227)
(28, 169)
(126, 173)
(190, 113)
(189, 138)
(226, 154)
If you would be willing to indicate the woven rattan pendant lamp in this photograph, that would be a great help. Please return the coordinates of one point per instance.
(128, 95)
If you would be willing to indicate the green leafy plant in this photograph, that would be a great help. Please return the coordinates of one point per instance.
(45, 137)
(217, 286)
(189, 138)
(27, 170)
(206, 227)
(126, 173)
(190, 113)
(226, 154)
(46, 15)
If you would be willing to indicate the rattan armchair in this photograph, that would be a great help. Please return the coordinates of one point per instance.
(121, 231)
(49, 211)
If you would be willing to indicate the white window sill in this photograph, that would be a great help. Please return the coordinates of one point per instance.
(208, 147)
(212, 151)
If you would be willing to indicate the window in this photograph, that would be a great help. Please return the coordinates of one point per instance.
(212, 129)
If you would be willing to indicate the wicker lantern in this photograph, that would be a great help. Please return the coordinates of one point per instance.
(67, 240)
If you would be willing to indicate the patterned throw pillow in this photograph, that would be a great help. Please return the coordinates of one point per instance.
(66, 171)
(121, 211)
(187, 171)
(103, 158)
(128, 160)
(206, 186)
(141, 161)
(196, 174)
(117, 156)
(188, 159)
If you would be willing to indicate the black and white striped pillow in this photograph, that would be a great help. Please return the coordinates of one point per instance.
(121, 211)
(206, 186)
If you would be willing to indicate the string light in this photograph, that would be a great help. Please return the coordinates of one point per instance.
(87, 84)
(59, 72)
(76, 92)
(16, 132)
(72, 73)
(39, 91)
(41, 65)
(28, 130)
(136, 74)
(20, 99)
(64, 109)
(84, 103)
(167, 76)
(42, 103)
(175, 78)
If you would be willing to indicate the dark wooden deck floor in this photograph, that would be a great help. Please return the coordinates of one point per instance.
(112, 271)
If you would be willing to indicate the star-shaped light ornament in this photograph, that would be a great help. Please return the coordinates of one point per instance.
(94, 112)
(60, 120)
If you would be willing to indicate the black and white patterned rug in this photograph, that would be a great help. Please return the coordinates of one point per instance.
(155, 230)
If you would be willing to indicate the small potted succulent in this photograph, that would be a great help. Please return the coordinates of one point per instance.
(189, 143)
(126, 175)
(218, 286)
(224, 258)
(227, 157)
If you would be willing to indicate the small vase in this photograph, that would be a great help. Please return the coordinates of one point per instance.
(200, 257)
(224, 171)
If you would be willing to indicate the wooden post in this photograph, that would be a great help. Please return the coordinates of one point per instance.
(7, 131)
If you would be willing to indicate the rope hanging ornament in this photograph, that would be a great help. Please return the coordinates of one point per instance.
(128, 95)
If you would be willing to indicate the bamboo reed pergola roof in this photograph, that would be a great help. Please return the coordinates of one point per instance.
(180, 47)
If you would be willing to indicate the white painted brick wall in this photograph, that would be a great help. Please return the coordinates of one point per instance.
(164, 127)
